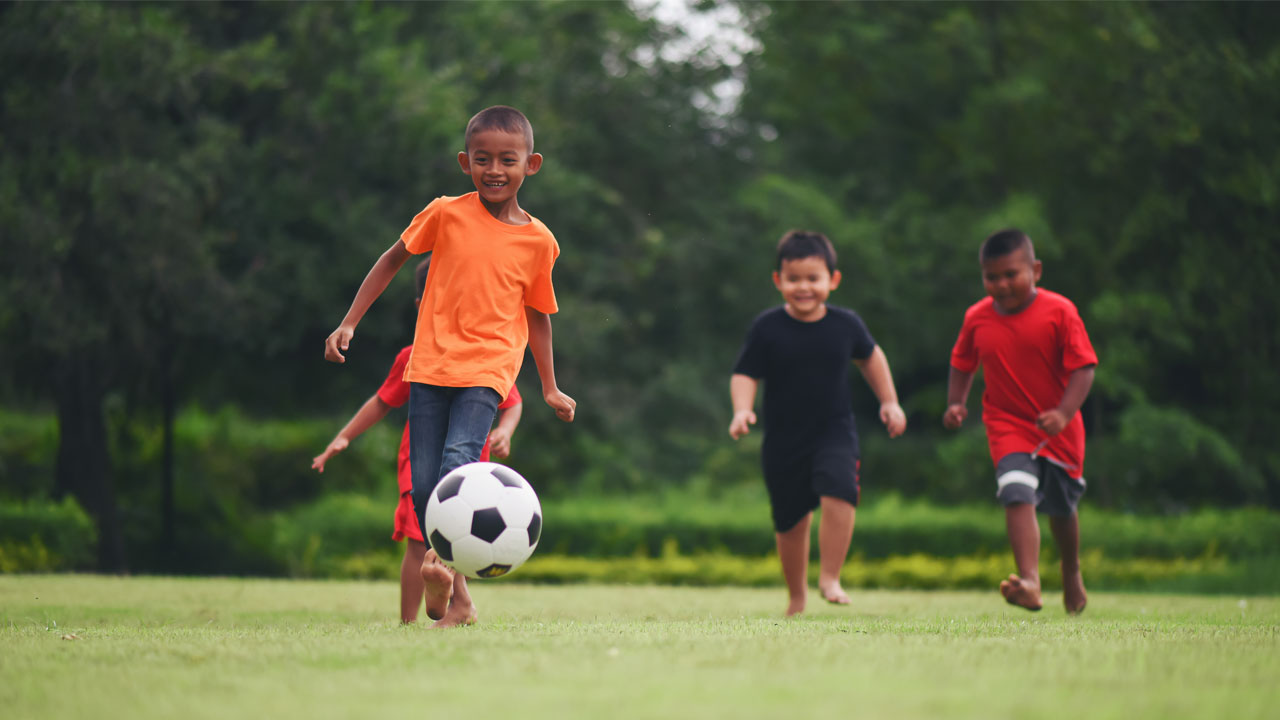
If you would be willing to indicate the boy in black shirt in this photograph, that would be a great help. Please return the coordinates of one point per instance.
(810, 455)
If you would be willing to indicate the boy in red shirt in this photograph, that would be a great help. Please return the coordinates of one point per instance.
(1038, 366)
(393, 394)
(488, 296)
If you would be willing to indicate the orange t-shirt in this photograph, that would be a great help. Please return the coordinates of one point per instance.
(471, 329)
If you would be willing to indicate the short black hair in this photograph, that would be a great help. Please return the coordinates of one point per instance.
(500, 117)
(420, 275)
(798, 244)
(1006, 242)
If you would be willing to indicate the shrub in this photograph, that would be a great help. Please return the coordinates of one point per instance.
(43, 535)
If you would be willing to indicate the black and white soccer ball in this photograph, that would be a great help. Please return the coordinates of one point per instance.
(483, 520)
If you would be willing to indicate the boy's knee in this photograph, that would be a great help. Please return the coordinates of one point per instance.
(1017, 486)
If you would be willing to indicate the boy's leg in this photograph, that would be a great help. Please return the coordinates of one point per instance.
(411, 586)
(1018, 489)
(835, 532)
(1066, 532)
(471, 416)
(793, 551)
(428, 423)
(1061, 497)
(1023, 589)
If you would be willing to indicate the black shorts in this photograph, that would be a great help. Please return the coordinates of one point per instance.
(797, 483)
(1021, 478)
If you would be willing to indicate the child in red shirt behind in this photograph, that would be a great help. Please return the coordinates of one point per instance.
(394, 393)
(1038, 366)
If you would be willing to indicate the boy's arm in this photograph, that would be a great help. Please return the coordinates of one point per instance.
(373, 410)
(958, 384)
(540, 346)
(875, 368)
(742, 391)
(500, 436)
(374, 283)
(1054, 420)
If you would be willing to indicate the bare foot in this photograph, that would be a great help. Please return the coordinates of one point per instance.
(1073, 595)
(795, 606)
(457, 615)
(833, 593)
(438, 581)
(1023, 593)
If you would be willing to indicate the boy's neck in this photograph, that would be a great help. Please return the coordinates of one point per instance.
(817, 314)
(1021, 308)
(507, 212)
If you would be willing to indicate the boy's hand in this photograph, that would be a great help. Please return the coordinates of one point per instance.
(338, 445)
(561, 403)
(500, 443)
(338, 341)
(1052, 421)
(954, 416)
(894, 419)
(741, 423)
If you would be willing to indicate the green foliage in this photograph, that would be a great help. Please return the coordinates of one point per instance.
(42, 536)
(916, 571)
(28, 444)
(317, 539)
(236, 469)
(191, 193)
(684, 538)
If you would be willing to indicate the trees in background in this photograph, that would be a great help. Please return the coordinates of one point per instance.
(190, 193)
(1128, 139)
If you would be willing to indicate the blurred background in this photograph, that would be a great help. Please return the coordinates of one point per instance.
(190, 194)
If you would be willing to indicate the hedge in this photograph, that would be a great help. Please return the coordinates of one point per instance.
(44, 535)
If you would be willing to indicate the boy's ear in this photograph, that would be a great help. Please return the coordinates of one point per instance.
(534, 164)
(464, 161)
(1036, 268)
(835, 279)
(777, 281)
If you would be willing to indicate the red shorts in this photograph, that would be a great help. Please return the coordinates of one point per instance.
(406, 520)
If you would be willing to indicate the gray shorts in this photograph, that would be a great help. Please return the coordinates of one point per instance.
(1021, 478)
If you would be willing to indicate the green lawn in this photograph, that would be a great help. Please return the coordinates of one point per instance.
(224, 648)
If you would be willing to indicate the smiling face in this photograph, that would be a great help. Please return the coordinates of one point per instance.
(498, 162)
(805, 284)
(1011, 279)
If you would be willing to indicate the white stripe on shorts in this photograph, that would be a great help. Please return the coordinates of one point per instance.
(1022, 477)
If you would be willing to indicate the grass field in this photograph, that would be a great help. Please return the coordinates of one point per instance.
(106, 647)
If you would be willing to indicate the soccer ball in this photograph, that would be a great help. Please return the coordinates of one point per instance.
(483, 520)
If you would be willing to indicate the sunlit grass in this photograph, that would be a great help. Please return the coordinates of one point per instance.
(226, 648)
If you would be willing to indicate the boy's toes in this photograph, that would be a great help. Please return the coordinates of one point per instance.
(1022, 593)
(834, 594)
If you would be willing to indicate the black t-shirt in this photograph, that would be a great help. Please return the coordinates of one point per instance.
(805, 369)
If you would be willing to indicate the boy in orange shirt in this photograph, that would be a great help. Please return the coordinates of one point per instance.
(395, 393)
(488, 295)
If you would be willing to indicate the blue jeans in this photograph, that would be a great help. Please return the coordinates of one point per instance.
(447, 428)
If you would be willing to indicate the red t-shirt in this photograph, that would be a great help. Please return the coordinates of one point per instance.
(1027, 359)
(395, 392)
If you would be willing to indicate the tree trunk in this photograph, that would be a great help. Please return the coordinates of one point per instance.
(84, 462)
(168, 402)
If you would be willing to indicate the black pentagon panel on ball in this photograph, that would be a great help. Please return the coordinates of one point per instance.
(487, 524)
(494, 570)
(535, 529)
(449, 486)
(443, 547)
(507, 476)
